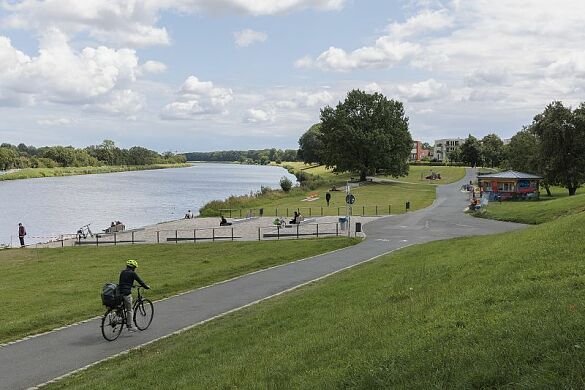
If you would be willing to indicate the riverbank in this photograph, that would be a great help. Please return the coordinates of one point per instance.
(33, 173)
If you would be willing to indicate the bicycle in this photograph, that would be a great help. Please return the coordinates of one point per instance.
(114, 319)
(84, 231)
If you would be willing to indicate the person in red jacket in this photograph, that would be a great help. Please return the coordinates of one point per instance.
(21, 234)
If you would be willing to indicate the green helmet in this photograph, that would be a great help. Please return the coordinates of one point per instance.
(132, 263)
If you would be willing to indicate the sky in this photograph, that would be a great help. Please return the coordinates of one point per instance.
(202, 75)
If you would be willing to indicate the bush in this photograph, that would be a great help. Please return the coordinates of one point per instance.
(285, 184)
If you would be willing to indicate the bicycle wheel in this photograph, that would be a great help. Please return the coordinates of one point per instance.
(112, 324)
(143, 313)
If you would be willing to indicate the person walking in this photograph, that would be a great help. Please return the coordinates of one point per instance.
(328, 198)
(21, 234)
(127, 278)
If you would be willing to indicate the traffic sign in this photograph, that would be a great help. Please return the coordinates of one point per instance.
(350, 199)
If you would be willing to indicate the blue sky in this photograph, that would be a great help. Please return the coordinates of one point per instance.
(199, 75)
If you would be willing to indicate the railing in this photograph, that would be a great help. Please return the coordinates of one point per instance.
(226, 233)
(309, 211)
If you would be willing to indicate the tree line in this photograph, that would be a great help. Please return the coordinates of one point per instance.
(262, 156)
(106, 153)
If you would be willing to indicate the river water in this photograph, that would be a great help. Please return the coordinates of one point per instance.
(49, 207)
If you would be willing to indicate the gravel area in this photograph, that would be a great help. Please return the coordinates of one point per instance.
(208, 229)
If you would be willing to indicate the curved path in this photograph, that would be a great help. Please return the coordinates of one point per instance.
(39, 359)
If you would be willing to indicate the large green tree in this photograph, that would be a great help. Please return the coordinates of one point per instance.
(366, 133)
(492, 148)
(310, 145)
(561, 140)
(471, 152)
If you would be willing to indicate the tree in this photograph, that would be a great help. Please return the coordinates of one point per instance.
(366, 133)
(471, 151)
(522, 154)
(454, 155)
(285, 184)
(8, 158)
(310, 145)
(561, 136)
(492, 148)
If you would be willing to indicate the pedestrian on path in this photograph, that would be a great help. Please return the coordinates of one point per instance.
(21, 234)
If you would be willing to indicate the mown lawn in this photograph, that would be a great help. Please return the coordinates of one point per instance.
(42, 289)
(504, 311)
(418, 173)
(371, 198)
(389, 197)
(536, 212)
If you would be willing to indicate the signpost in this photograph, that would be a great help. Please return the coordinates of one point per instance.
(349, 200)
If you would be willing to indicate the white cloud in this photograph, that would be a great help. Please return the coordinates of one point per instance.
(121, 102)
(315, 99)
(305, 62)
(152, 67)
(61, 74)
(384, 54)
(247, 37)
(196, 98)
(115, 22)
(134, 23)
(423, 22)
(256, 7)
(423, 91)
(372, 87)
(257, 115)
(54, 121)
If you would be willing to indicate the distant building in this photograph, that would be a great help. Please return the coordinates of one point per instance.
(418, 152)
(445, 146)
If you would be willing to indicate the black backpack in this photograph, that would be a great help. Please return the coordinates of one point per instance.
(110, 295)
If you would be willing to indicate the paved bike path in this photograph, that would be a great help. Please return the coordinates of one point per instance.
(39, 359)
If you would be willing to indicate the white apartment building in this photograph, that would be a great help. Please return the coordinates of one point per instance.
(443, 147)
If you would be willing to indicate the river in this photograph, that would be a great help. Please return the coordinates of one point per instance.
(49, 207)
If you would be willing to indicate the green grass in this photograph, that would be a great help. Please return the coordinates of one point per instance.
(31, 173)
(389, 197)
(503, 311)
(536, 212)
(46, 288)
(417, 174)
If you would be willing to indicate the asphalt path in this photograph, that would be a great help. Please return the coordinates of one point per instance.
(39, 359)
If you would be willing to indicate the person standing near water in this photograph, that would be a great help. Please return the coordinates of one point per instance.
(21, 234)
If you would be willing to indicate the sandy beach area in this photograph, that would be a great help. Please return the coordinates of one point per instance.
(208, 230)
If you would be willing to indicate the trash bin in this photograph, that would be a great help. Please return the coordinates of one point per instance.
(261, 212)
(343, 223)
(358, 227)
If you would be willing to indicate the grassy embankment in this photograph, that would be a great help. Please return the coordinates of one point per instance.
(502, 311)
(389, 197)
(46, 288)
(32, 173)
(418, 173)
(536, 211)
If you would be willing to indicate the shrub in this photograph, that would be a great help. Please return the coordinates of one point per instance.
(285, 184)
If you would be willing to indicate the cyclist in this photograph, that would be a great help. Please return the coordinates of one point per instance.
(127, 278)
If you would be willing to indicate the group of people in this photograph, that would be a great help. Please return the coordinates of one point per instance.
(297, 219)
(189, 215)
